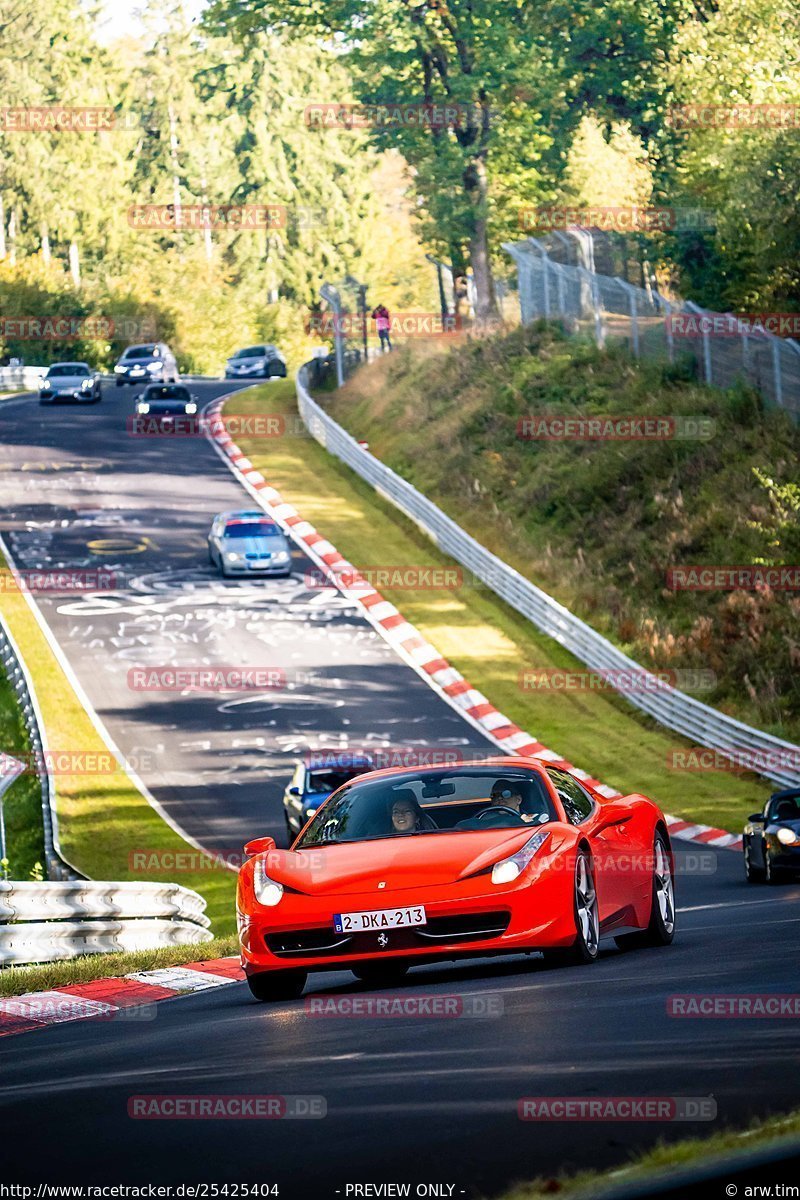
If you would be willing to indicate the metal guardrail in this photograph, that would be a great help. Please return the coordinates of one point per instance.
(21, 377)
(12, 663)
(47, 922)
(704, 726)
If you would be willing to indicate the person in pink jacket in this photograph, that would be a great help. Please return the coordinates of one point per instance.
(383, 324)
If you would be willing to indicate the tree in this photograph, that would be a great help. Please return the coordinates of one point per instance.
(460, 61)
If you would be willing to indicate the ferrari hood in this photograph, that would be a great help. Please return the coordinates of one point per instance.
(422, 860)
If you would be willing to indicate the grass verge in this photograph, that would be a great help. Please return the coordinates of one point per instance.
(103, 817)
(16, 981)
(601, 522)
(22, 803)
(487, 641)
(665, 1158)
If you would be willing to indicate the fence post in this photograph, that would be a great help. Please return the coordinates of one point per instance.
(668, 330)
(562, 300)
(776, 371)
(634, 315)
(706, 343)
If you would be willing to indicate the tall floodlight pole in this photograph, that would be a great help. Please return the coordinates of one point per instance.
(331, 296)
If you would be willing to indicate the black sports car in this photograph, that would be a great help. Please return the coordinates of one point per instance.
(771, 840)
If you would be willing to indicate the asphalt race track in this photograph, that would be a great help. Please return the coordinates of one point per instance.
(418, 1099)
(78, 490)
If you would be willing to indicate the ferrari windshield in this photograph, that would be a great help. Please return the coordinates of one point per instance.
(453, 801)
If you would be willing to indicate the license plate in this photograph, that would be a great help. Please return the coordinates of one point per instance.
(385, 918)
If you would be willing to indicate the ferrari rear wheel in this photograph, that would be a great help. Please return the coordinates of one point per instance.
(661, 927)
(586, 946)
(277, 985)
(381, 973)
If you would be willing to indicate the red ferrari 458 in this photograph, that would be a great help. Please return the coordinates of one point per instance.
(505, 856)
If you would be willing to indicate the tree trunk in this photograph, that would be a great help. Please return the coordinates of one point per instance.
(2, 229)
(175, 164)
(45, 232)
(12, 237)
(476, 187)
(75, 263)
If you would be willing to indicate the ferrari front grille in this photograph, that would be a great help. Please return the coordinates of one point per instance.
(464, 926)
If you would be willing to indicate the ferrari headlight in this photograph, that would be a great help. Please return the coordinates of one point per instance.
(118, 369)
(86, 383)
(155, 366)
(267, 891)
(788, 837)
(508, 869)
(191, 407)
(45, 384)
(282, 556)
(144, 407)
(231, 556)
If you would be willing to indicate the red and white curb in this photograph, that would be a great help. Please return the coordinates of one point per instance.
(111, 999)
(409, 642)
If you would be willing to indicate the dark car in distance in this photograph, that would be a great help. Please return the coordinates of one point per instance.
(316, 779)
(771, 839)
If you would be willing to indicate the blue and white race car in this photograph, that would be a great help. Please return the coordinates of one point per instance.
(248, 543)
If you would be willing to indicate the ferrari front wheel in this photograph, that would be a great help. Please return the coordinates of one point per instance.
(277, 985)
(586, 946)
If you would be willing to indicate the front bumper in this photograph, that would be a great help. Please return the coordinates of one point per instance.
(142, 377)
(299, 933)
(785, 858)
(271, 369)
(71, 395)
(256, 568)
